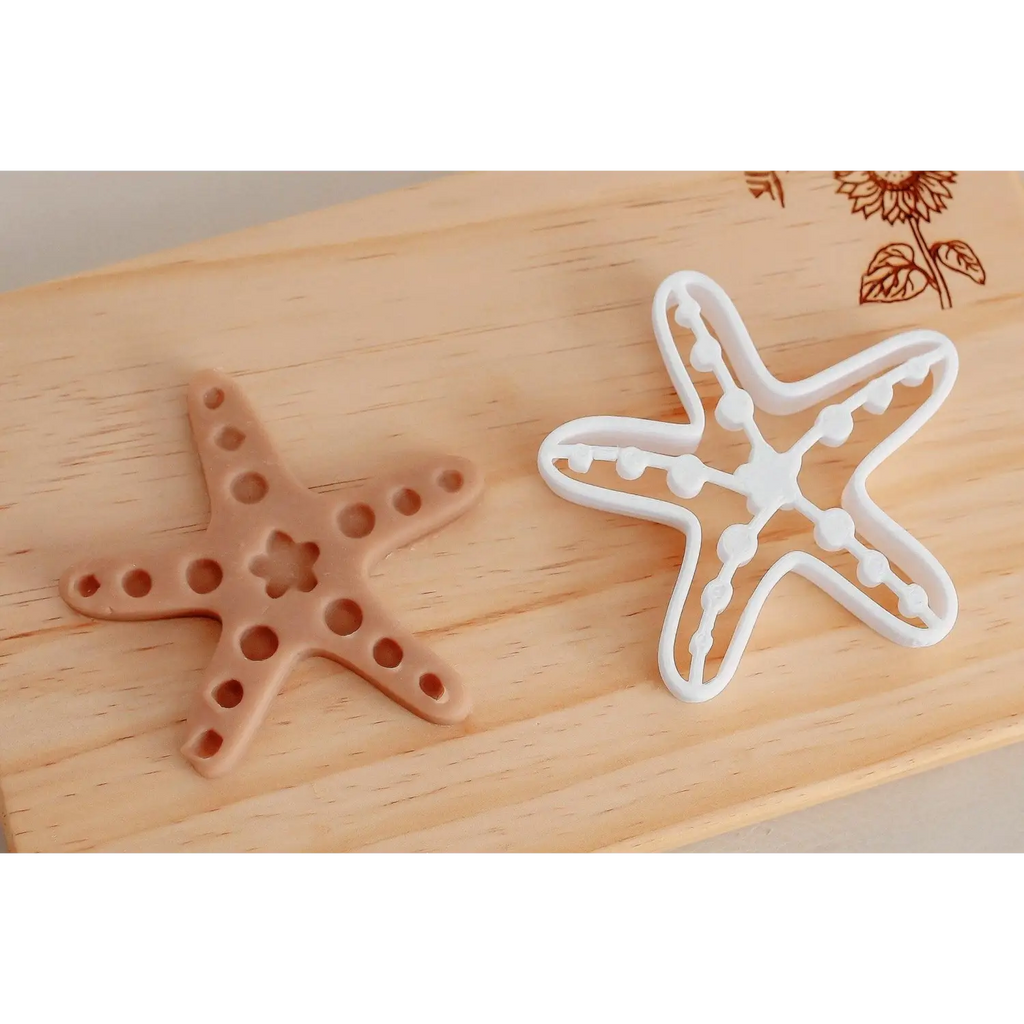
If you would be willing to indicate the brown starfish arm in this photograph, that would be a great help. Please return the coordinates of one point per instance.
(238, 687)
(397, 508)
(359, 633)
(156, 583)
(238, 457)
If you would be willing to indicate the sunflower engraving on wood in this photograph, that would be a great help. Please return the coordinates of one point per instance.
(761, 183)
(899, 271)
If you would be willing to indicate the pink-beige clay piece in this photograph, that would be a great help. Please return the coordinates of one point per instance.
(285, 570)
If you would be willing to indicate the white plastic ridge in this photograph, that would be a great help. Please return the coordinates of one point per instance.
(769, 479)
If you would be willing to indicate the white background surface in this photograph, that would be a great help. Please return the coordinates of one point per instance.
(52, 225)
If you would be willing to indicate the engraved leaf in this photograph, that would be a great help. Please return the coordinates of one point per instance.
(897, 254)
(893, 276)
(959, 256)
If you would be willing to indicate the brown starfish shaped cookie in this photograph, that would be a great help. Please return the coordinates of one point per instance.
(285, 571)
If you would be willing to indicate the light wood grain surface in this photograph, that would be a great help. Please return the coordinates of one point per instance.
(471, 315)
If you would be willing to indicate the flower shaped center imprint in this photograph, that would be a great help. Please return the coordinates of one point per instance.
(286, 565)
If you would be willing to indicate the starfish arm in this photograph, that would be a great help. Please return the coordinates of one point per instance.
(697, 689)
(870, 612)
(360, 634)
(604, 499)
(736, 547)
(604, 437)
(599, 438)
(888, 536)
(685, 688)
(235, 450)
(930, 596)
(835, 423)
(696, 297)
(674, 293)
(399, 508)
(232, 701)
(147, 583)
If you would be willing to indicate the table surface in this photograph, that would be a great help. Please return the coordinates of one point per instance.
(834, 826)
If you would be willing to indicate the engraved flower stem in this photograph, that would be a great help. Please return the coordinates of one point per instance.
(933, 268)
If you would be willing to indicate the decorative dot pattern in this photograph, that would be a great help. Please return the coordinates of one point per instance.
(285, 570)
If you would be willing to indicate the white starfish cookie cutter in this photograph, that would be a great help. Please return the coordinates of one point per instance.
(769, 479)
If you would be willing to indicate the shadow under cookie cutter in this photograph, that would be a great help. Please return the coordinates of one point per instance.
(769, 479)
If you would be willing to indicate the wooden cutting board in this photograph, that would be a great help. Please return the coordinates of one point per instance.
(472, 315)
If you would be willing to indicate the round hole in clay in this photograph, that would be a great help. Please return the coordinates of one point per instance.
(209, 743)
(87, 585)
(249, 488)
(432, 686)
(230, 439)
(213, 398)
(258, 643)
(407, 502)
(137, 583)
(451, 480)
(343, 617)
(204, 575)
(229, 694)
(387, 653)
(356, 520)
